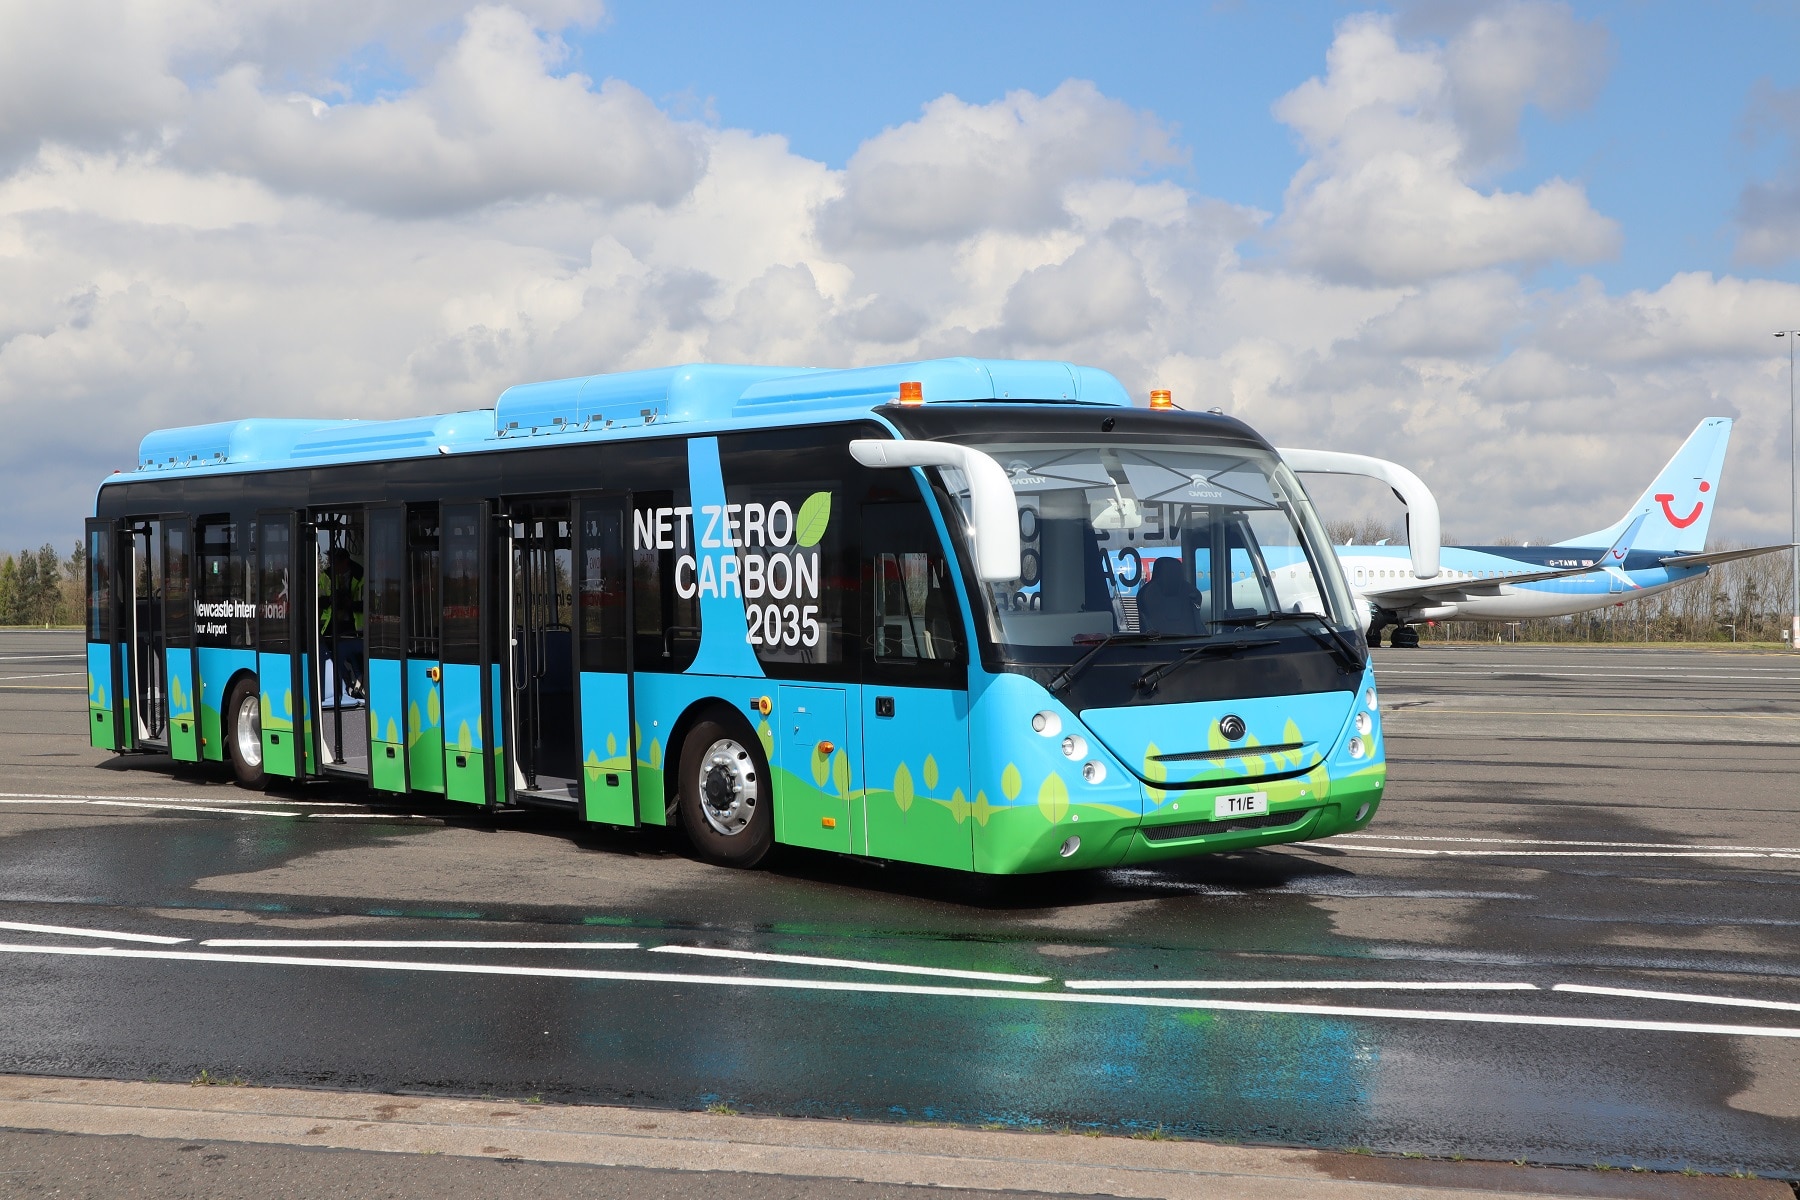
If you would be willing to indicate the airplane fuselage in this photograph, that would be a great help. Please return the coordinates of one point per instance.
(1372, 570)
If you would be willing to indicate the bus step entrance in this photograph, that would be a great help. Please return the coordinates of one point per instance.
(547, 747)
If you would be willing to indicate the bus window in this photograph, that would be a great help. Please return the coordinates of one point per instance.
(913, 613)
(667, 633)
(384, 584)
(99, 592)
(178, 617)
(222, 585)
(462, 584)
(602, 586)
(273, 595)
(423, 563)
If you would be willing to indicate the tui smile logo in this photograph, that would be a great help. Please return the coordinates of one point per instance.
(1663, 499)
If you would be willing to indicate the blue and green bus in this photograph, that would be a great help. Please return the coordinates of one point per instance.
(978, 614)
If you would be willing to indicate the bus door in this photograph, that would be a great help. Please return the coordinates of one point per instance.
(422, 684)
(355, 595)
(109, 557)
(475, 767)
(919, 799)
(181, 667)
(602, 625)
(149, 647)
(541, 667)
(285, 586)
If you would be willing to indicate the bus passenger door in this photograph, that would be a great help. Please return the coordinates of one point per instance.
(109, 707)
(182, 673)
(149, 648)
(475, 767)
(285, 583)
(356, 627)
(541, 667)
(602, 626)
(915, 719)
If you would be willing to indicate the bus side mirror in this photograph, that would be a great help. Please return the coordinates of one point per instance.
(1424, 535)
(994, 511)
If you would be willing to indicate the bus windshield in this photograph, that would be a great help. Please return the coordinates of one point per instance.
(1167, 542)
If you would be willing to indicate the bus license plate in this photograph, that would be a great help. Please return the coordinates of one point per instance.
(1243, 804)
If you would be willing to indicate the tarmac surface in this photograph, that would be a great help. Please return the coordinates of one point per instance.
(1570, 937)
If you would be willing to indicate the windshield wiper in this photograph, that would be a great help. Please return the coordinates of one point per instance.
(1149, 679)
(1066, 676)
(1327, 635)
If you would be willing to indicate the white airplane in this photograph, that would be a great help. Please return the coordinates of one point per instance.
(1659, 543)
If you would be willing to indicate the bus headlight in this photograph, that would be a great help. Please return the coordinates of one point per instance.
(1046, 723)
(1364, 723)
(1369, 699)
(1357, 747)
(1093, 771)
(1075, 746)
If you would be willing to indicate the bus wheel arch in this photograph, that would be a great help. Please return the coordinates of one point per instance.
(240, 728)
(723, 789)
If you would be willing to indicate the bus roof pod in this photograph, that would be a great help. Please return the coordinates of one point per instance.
(1424, 533)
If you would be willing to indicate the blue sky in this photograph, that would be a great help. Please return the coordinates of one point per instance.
(1521, 245)
(1665, 148)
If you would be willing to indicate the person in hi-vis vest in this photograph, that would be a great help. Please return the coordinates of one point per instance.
(341, 616)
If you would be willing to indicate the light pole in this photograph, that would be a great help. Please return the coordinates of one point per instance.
(1793, 335)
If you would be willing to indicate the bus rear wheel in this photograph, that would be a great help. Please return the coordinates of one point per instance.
(243, 732)
(725, 795)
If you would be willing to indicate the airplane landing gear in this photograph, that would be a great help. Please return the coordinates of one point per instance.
(1404, 637)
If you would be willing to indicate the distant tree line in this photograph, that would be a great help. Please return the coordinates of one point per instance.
(41, 587)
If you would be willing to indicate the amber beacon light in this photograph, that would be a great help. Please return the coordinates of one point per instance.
(912, 392)
(1162, 398)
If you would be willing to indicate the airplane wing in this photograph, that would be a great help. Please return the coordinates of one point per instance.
(1721, 556)
(1450, 591)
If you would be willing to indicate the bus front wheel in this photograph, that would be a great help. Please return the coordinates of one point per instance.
(725, 795)
(243, 732)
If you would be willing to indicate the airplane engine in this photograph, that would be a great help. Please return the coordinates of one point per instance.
(1432, 612)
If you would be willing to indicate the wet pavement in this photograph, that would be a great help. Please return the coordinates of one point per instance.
(1571, 936)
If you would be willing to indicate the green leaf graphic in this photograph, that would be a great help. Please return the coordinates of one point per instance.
(1053, 799)
(432, 712)
(840, 774)
(903, 788)
(1154, 771)
(810, 522)
(931, 774)
(1010, 783)
(612, 746)
(821, 767)
(959, 806)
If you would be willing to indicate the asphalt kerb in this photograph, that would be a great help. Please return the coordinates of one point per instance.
(807, 1148)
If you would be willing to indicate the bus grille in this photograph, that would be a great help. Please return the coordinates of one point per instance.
(1174, 833)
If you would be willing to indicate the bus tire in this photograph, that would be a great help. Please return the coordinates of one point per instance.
(242, 719)
(725, 793)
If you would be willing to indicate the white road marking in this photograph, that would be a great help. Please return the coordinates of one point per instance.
(1684, 997)
(853, 964)
(79, 797)
(1423, 837)
(38, 657)
(914, 989)
(72, 931)
(41, 675)
(331, 944)
(1367, 985)
(236, 812)
(1677, 676)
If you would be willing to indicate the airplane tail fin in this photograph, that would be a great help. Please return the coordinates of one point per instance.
(1677, 507)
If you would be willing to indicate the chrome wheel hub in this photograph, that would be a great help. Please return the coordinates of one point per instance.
(247, 731)
(729, 788)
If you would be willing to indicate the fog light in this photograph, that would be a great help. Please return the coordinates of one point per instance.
(1046, 723)
(1093, 771)
(1357, 749)
(1075, 746)
(1369, 699)
(1364, 723)
(1070, 847)
(1362, 813)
